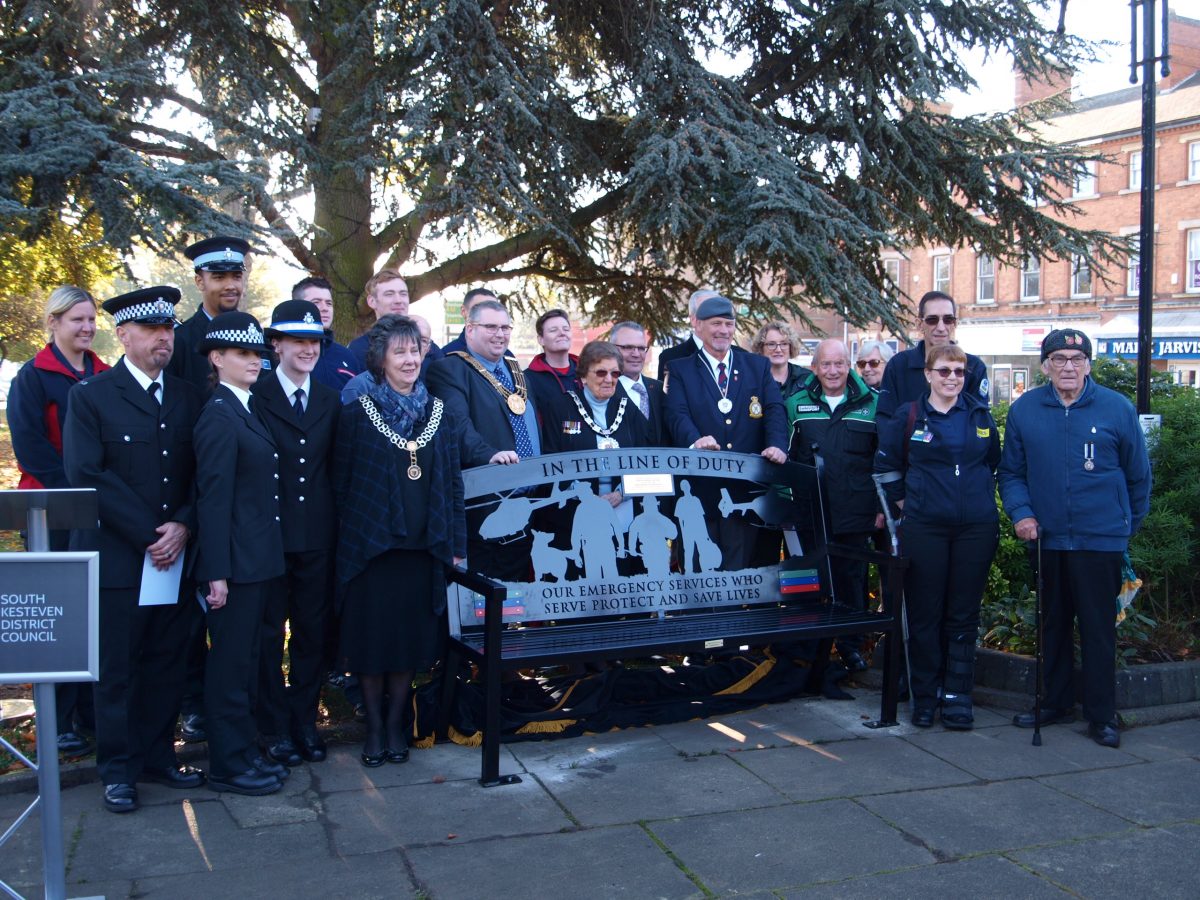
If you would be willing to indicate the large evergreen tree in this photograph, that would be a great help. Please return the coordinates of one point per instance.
(593, 145)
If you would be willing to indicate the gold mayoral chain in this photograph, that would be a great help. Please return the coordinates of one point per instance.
(609, 442)
(435, 419)
(516, 398)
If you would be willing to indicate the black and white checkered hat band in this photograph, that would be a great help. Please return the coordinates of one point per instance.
(159, 309)
(249, 335)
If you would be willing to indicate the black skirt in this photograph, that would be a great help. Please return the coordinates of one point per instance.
(388, 623)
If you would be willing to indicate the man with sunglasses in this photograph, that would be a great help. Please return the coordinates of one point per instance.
(904, 377)
(1075, 478)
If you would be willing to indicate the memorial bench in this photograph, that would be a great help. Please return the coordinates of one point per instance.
(503, 627)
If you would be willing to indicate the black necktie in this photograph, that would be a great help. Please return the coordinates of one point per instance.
(152, 390)
(298, 403)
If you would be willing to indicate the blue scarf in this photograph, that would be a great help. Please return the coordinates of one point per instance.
(400, 411)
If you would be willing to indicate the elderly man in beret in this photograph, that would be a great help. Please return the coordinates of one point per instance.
(1075, 479)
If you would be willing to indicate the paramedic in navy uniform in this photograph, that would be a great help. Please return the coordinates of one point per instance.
(240, 552)
(128, 435)
(721, 398)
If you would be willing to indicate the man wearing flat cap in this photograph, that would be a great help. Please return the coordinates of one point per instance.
(721, 398)
(128, 435)
(220, 273)
(302, 416)
(1075, 480)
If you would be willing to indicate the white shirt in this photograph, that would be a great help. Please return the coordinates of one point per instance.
(834, 402)
(143, 379)
(289, 389)
(713, 362)
(243, 396)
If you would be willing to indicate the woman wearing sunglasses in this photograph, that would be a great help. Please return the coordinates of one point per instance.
(938, 457)
(873, 357)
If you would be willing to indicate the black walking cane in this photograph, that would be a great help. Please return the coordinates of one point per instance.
(1037, 677)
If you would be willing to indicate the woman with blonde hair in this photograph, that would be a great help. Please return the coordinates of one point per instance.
(37, 409)
(777, 341)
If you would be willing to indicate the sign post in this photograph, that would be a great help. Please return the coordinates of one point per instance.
(48, 633)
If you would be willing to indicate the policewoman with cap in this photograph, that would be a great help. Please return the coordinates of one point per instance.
(402, 521)
(937, 460)
(128, 434)
(240, 551)
(302, 416)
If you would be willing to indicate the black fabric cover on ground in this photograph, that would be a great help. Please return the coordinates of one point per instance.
(620, 697)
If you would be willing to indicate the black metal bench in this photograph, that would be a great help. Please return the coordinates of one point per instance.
(779, 614)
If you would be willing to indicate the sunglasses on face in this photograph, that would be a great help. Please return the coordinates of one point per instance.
(947, 319)
(873, 363)
(946, 371)
(602, 374)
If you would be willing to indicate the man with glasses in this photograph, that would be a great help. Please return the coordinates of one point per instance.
(833, 417)
(1075, 479)
(873, 356)
(485, 391)
(904, 377)
(631, 339)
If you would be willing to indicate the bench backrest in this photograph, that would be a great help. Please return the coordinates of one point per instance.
(589, 560)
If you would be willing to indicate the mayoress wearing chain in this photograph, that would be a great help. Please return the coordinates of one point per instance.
(400, 495)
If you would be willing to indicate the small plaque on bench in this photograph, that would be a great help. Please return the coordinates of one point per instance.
(660, 484)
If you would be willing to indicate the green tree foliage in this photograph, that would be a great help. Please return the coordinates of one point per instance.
(624, 150)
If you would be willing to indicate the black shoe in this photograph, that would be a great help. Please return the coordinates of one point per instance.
(282, 750)
(853, 661)
(179, 777)
(191, 730)
(252, 783)
(1049, 717)
(958, 712)
(360, 712)
(830, 689)
(397, 756)
(120, 798)
(309, 744)
(1104, 733)
(922, 716)
(71, 743)
(374, 760)
(270, 767)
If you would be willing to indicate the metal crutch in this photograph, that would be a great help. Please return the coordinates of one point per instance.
(880, 479)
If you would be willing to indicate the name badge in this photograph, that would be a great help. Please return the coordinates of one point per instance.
(983, 432)
(922, 436)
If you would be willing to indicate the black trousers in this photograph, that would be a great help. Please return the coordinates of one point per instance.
(850, 584)
(302, 596)
(1083, 585)
(197, 656)
(231, 678)
(141, 682)
(948, 569)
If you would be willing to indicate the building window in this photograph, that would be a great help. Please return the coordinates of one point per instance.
(1133, 275)
(1193, 261)
(1085, 181)
(891, 271)
(1135, 170)
(941, 274)
(1031, 278)
(1194, 161)
(1081, 276)
(985, 284)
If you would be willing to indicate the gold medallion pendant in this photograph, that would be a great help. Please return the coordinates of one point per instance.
(516, 403)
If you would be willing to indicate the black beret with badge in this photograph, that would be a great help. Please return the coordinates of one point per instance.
(218, 254)
(1066, 339)
(716, 307)
(146, 306)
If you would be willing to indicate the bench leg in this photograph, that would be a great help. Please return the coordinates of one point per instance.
(491, 776)
(891, 682)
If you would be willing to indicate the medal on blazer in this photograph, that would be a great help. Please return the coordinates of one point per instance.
(755, 408)
(1089, 456)
(431, 427)
(724, 404)
(605, 439)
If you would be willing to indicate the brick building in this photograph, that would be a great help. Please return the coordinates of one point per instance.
(1005, 311)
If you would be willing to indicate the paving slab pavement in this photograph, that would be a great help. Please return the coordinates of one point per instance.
(792, 800)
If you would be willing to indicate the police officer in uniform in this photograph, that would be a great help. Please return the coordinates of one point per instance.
(723, 399)
(302, 416)
(128, 434)
(240, 552)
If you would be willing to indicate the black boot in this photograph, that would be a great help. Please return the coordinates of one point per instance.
(957, 710)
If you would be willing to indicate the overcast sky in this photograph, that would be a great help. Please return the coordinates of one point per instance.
(1096, 20)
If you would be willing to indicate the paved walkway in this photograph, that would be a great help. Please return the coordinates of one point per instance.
(797, 799)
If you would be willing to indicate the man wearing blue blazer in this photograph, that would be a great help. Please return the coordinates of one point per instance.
(720, 399)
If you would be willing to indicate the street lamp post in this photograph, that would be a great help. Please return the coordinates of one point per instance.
(1146, 236)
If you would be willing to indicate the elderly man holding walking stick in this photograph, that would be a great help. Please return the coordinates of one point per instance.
(1075, 477)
